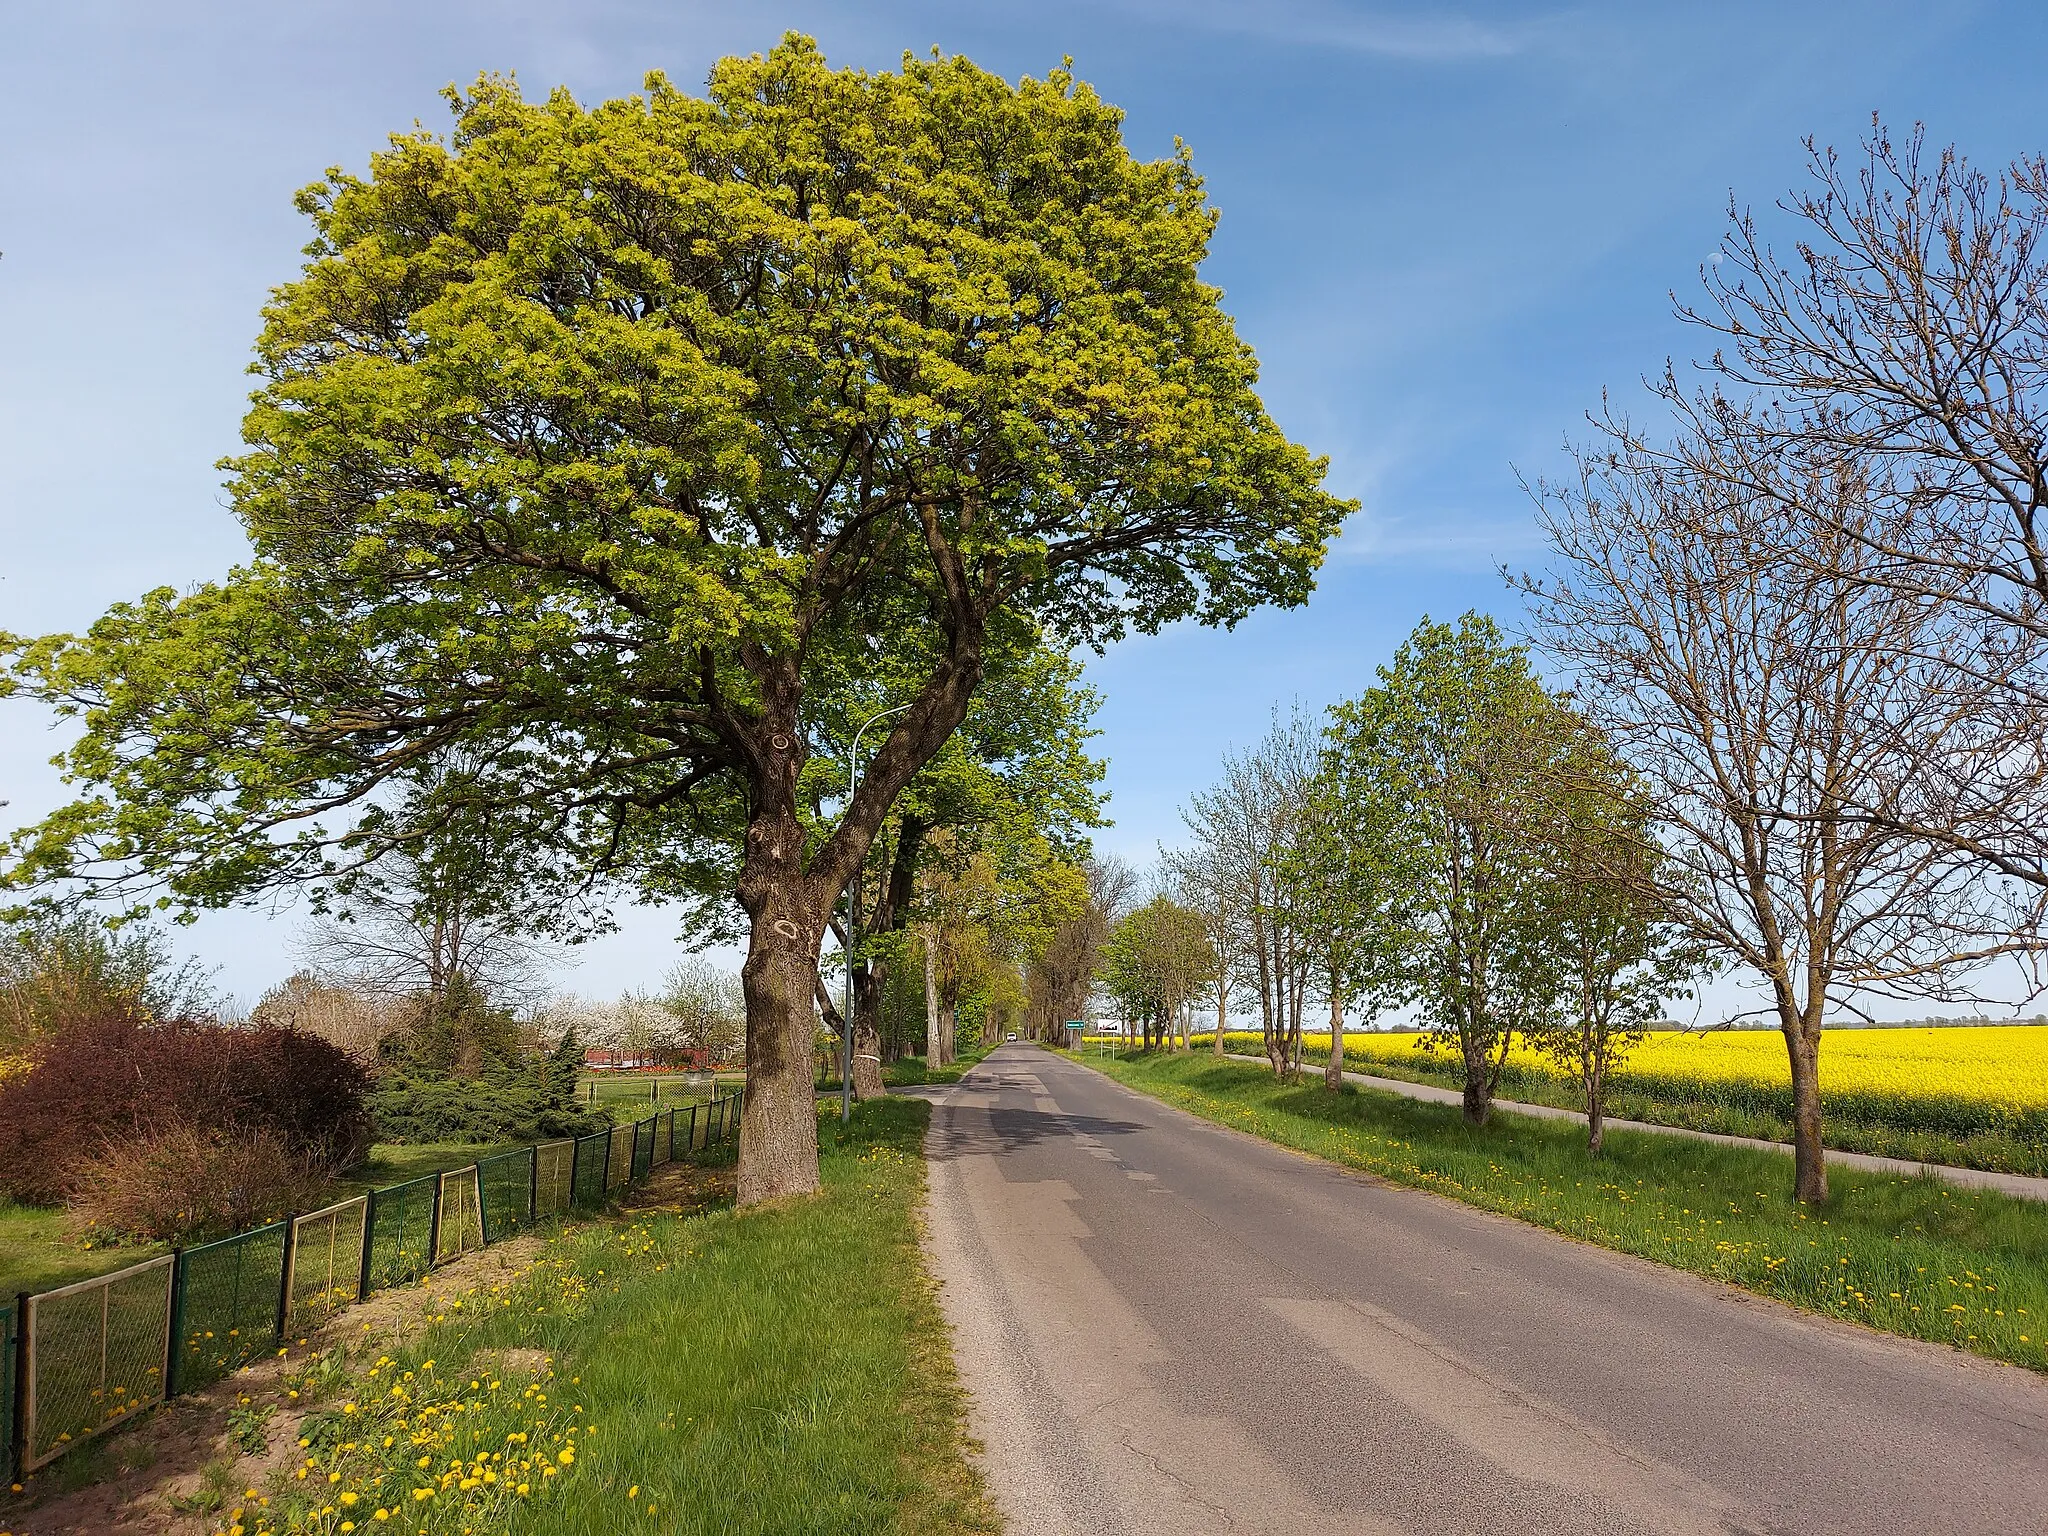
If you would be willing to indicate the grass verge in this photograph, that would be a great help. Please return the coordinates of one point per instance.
(1927, 1128)
(785, 1369)
(1905, 1256)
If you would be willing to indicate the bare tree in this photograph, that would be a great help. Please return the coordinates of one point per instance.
(1246, 823)
(1771, 707)
(1905, 336)
(1204, 880)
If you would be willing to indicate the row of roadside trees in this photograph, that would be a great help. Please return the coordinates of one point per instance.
(1804, 625)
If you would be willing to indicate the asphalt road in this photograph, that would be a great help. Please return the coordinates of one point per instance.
(1171, 1327)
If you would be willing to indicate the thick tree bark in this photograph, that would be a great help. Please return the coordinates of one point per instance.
(1596, 1111)
(1810, 1178)
(1333, 1074)
(779, 1132)
(868, 979)
(1222, 1019)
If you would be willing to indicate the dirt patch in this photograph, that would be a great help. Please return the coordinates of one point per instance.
(683, 1189)
(174, 1472)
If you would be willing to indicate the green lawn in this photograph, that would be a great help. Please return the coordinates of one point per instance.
(39, 1251)
(636, 1095)
(784, 1370)
(395, 1163)
(1907, 1256)
(909, 1071)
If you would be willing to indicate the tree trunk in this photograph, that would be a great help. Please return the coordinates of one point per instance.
(1478, 1098)
(1222, 1018)
(779, 1131)
(1810, 1180)
(1333, 1074)
(1596, 1113)
(868, 979)
(931, 996)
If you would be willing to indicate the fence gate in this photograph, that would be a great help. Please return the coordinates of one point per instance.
(95, 1354)
(461, 1228)
(326, 1272)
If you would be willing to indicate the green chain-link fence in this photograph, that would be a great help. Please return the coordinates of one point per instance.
(508, 1187)
(554, 1171)
(226, 1304)
(461, 1227)
(89, 1356)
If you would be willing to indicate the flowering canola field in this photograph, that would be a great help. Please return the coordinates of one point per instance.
(1976, 1095)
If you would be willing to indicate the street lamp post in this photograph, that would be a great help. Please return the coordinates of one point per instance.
(852, 922)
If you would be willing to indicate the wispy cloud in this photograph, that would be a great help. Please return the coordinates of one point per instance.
(1420, 35)
(1460, 543)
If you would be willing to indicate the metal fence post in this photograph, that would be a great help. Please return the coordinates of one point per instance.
(17, 1432)
(284, 1270)
(434, 1229)
(176, 1331)
(369, 1238)
(532, 1185)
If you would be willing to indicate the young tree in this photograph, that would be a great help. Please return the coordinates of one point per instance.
(592, 441)
(1770, 707)
(1154, 961)
(1347, 868)
(1247, 822)
(62, 968)
(1457, 741)
(1205, 880)
(1605, 925)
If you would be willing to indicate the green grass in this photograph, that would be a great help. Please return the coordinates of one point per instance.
(780, 1370)
(1906, 1256)
(396, 1163)
(910, 1072)
(1850, 1121)
(40, 1250)
(631, 1090)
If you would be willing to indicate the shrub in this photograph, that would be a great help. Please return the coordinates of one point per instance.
(343, 1017)
(529, 1099)
(180, 1182)
(58, 970)
(119, 1081)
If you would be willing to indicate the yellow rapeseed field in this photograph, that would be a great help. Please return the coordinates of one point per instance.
(2002, 1065)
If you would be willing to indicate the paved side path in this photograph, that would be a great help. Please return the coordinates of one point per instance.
(1169, 1327)
(2025, 1187)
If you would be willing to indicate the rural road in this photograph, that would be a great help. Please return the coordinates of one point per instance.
(1171, 1327)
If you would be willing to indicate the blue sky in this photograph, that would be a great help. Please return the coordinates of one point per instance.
(1446, 230)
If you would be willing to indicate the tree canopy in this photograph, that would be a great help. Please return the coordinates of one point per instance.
(602, 443)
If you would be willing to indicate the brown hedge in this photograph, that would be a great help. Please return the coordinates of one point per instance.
(116, 1081)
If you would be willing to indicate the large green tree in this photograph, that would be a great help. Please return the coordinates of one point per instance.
(590, 439)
